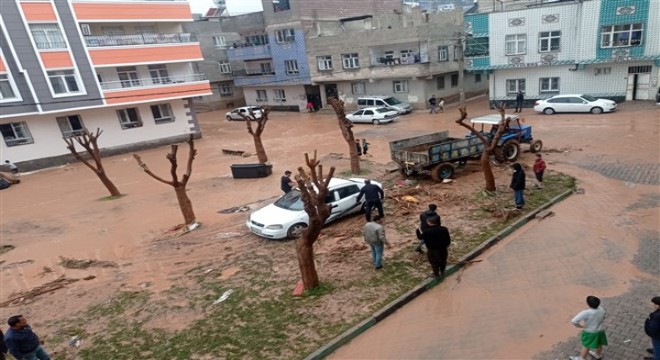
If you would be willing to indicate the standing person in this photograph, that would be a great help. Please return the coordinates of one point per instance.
(437, 242)
(310, 106)
(285, 182)
(518, 185)
(593, 332)
(373, 196)
(12, 167)
(3, 346)
(23, 344)
(652, 329)
(358, 147)
(520, 97)
(374, 235)
(539, 168)
(441, 105)
(423, 224)
(432, 105)
(365, 147)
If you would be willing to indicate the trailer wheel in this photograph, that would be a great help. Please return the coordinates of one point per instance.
(536, 146)
(443, 171)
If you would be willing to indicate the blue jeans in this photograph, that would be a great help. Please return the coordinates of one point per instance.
(518, 197)
(656, 348)
(377, 254)
(39, 354)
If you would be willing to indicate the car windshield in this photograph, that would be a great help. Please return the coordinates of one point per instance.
(383, 110)
(392, 101)
(588, 98)
(291, 201)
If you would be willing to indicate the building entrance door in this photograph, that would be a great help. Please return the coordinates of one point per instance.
(639, 83)
(330, 91)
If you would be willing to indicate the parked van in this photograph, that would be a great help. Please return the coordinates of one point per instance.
(388, 101)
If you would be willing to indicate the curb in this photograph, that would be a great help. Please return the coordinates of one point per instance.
(427, 284)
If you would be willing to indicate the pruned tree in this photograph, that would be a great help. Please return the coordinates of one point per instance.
(256, 134)
(347, 132)
(179, 185)
(314, 190)
(89, 142)
(490, 144)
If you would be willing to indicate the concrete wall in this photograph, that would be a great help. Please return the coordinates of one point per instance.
(296, 99)
(323, 9)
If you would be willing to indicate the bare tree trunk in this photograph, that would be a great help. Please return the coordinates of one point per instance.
(261, 152)
(89, 141)
(305, 251)
(185, 204)
(347, 132)
(355, 158)
(489, 177)
(261, 121)
(107, 182)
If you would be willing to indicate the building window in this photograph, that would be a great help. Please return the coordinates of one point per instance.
(159, 74)
(291, 67)
(265, 68)
(547, 85)
(400, 86)
(129, 118)
(128, 76)
(225, 68)
(358, 88)
(515, 85)
(603, 71)
(262, 96)
(640, 69)
(454, 80)
(256, 40)
(350, 61)
(280, 95)
(7, 89)
(47, 36)
(16, 134)
(549, 41)
(516, 44)
(324, 62)
(281, 5)
(70, 125)
(477, 78)
(285, 36)
(443, 53)
(621, 35)
(226, 89)
(64, 82)
(162, 113)
(440, 82)
(219, 41)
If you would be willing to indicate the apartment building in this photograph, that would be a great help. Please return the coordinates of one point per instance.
(125, 67)
(606, 48)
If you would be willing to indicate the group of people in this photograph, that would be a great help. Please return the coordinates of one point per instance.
(362, 147)
(518, 179)
(436, 104)
(21, 342)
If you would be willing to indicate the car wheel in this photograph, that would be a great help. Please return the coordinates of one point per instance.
(596, 110)
(548, 111)
(376, 122)
(536, 146)
(229, 118)
(443, 171)
(296, 230)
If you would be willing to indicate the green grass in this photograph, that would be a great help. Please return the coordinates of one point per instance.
(348, 173)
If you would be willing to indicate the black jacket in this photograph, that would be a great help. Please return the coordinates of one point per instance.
(423, 217)
(520, 97)
(371, 192)
(435, 237)
(652, 325)
(3, 346)
(518, 178)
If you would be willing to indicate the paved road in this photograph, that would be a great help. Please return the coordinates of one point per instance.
(517, 302)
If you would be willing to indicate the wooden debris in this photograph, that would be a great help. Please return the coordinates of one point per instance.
(29, 296)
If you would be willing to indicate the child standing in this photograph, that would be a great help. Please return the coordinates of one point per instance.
(539, 168)
(365, 147)
(441, 105)
(593, 332)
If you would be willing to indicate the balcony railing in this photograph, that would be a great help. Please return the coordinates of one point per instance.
(407, 60)
(139, 39)
(245, 73)
(249, 52)
(151, 82)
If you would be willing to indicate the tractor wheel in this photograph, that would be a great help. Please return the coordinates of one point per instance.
(536, 146)
(443, 171)
(509, 151)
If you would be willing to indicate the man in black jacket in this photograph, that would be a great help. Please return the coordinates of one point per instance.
(373, 195)
(518, 185)
(652, 329)
(437, 242)
(423, 224)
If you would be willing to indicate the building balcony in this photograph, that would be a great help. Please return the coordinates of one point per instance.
(247, 77)
(155, 88)
(146, 54)
(249, 53)
(132, 11)
(394, 61)
(139, 39)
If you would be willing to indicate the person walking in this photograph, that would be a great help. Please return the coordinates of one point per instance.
(374, 235)
(423, 223)
(12, 167)
(437, 242)
(593, 333)
(432, 105)
(22, 342)
(652, 329)
(286, 184)
(358, 147)
(441, 105)
(518, 185)
(373, 196)
(539, 168)
(520, 97)
(365, 147)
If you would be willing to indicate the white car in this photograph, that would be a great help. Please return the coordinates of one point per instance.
(286, 217)
(245, 110)
(574, 103)
(374, 115)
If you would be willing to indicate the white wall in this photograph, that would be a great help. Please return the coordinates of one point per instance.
(295, 96)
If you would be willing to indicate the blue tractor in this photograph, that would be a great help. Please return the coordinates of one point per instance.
(508, 147)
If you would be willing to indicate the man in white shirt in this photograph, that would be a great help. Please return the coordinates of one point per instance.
(593, 332)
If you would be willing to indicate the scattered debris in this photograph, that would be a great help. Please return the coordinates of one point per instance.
(85, 264)
(447, 181)
(411, 199)
(44, 271)
(176, 228)
(223, 297)
(544, 214)
(89, 277)
(233, 152)
(579, 191)
(336, 155)
(227, 273)
(75, 341)
(207, 271)
(226, 235)
(16, 264)
(235, 209)
(29, 296)
(246, 154)
(6, 248)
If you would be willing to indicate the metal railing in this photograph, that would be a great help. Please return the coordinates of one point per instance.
(150, 82)
(244, 73)
(408, 60)
(138, 39)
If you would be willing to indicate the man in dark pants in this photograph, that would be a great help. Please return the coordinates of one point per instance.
(652, 329)
(373, 195)
(423, 224)
(23, 344)
(518, 185)
(437, 242)
(519, 101)
(3, 346)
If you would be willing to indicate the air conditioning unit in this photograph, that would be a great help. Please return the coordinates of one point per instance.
(85, 30)
(290, 38)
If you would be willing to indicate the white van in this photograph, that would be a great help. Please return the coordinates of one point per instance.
(387, 101)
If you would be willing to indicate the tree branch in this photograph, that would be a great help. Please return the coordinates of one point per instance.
(173, 163)
(192, 152)
(72, 148)
(145, 168)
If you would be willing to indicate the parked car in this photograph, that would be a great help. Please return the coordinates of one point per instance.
(286, 217)
(574, 103)
(245, 110)
(374, 115)
(384, 101)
